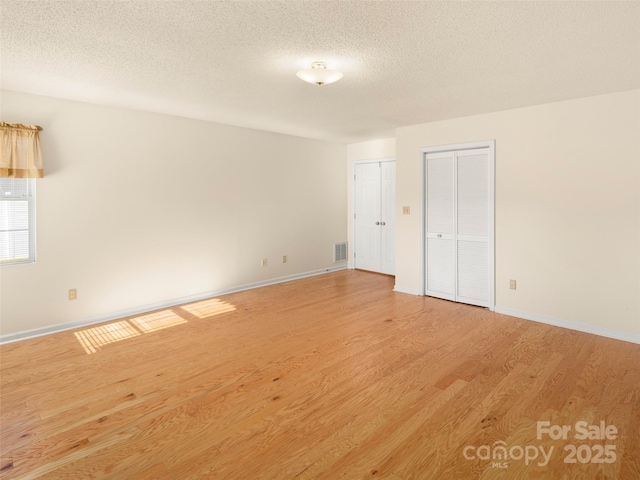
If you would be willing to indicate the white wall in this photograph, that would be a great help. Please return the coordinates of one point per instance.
(138, 209)
(372, 150)
(567, 207)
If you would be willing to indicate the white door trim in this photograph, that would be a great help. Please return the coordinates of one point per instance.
(490, 144)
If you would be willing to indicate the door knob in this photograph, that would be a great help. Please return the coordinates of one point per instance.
(377, 223)
(382, 223)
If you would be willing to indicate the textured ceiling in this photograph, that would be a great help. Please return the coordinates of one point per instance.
(403, 62)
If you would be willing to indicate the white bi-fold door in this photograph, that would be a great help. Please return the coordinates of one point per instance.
(374, 216)
(459, 224)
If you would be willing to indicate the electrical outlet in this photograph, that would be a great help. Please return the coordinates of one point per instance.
(512, 284)
(263, 262)
(73, 294)
(284, 259)
(406, 210)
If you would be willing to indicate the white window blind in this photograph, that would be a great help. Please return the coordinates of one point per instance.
(17, 220)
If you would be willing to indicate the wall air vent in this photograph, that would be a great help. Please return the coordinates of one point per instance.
(339, 252)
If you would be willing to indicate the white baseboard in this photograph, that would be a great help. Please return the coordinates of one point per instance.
(410, 291)
(581, 327)
(61, 327)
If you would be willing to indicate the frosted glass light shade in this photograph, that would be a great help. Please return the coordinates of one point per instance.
(319, 74)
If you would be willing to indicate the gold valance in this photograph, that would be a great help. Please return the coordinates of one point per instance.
(20, 155)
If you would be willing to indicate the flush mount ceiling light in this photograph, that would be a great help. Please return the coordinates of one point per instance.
(319, 74)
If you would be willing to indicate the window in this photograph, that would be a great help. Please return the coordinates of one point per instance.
(17, 220)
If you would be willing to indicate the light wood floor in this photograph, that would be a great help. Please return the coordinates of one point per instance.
(333, 377)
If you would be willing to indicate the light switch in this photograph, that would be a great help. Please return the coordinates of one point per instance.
(406, 210)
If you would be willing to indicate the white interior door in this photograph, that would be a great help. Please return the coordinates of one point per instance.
(367, 216)
(375, 216)
(459, 224)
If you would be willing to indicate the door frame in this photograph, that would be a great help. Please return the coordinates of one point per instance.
(352, 233)
(490, 144)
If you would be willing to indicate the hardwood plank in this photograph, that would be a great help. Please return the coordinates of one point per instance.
(334, 376)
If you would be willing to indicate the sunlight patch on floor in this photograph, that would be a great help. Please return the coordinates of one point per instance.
(92, 339)
(157, 321)
(208, 308)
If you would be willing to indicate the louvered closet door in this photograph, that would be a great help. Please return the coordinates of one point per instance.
(458, 225)
(472, 226)
(440, 214)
